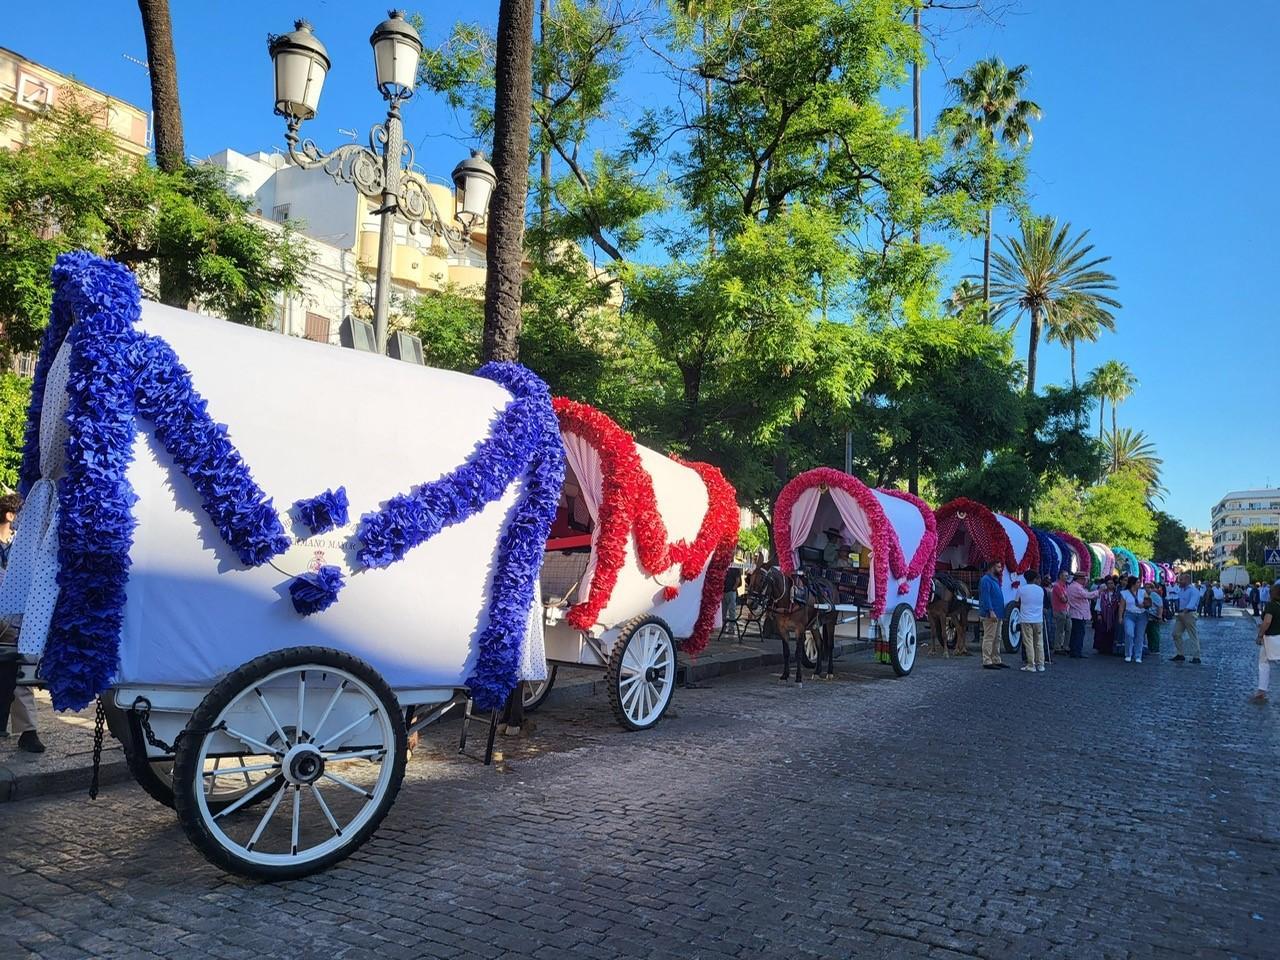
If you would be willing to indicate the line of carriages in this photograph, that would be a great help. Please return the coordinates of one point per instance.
(265, 668)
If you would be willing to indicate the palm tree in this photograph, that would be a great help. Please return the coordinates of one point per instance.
(991, 110)
(1073, 321)
(962, 294)
(162, 68)
(1112, 381)
(1131, 449)
(512, 109)
(1046, 270)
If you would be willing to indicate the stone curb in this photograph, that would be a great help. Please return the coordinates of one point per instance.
(19, 784)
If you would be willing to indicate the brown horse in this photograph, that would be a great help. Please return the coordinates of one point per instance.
(948, 614)
(790, 600)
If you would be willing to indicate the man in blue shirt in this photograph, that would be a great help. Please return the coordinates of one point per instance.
(1185, 622)
(991, 613)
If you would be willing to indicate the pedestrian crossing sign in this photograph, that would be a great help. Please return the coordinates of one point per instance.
(1272, 558)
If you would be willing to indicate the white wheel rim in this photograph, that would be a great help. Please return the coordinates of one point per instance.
(218, 788)
(342, 746)
(647, 674)
(906, 639)
(1015, 628)
(533, 690)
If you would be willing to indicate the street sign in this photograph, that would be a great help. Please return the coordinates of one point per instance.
(1272, 557)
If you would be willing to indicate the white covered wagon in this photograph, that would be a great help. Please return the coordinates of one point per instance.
(635, 563)
(824, 519)
(271, 559)
(971, 535)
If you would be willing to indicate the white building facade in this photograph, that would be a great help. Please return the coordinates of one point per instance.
(342, 232)
(1235, 513)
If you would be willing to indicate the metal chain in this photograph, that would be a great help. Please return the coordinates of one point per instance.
(98, 721)
(142, 709)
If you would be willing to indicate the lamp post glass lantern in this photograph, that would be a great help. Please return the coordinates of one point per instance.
(382, 171)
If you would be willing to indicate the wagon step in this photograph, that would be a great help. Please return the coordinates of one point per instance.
(490, 718)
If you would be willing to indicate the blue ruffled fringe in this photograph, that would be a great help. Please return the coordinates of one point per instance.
(312, 592)
(325, 511)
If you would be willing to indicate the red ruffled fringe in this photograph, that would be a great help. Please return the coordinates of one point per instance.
(631, 508)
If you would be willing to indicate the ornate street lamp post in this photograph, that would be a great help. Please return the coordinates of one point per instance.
(380, 170)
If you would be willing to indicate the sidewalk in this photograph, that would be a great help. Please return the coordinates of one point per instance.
(67, 764)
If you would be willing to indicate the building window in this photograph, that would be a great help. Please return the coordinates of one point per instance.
(317, 328)
(280, 212)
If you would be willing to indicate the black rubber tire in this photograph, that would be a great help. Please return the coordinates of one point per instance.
(533, 704)
(1011, 639)
(613, 672)
(899, 668)
(188, 750)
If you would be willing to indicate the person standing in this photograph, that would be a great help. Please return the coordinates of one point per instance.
(1254, 593)
(1031, 611)
(1061, 613)
(1133, 608)
(1155, 614)
(1268, 646)
(1078, 598)
(1185, 621)
(1264, 596)
(1107, 626)
(22, 712)
(1218, 597)
(991, 613)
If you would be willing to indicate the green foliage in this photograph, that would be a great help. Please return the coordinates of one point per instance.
(1132, 449)
(189, 240)
(1171, 540)
(1258, 540)
(450, 324)
(1116, 513)
(1060, 507)
(753, 539)
(15, 394)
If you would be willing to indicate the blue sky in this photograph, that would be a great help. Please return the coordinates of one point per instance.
(1159, 135)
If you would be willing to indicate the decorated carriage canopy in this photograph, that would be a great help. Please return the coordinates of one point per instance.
(1127, 564)
(971, 535)
(1106, 559)
(1080, 556)
(656, 533)
(1054, 555)
(821, 506)
(200, 493)
(1148, 572)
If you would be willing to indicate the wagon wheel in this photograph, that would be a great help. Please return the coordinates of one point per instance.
(641, 674)
(327, 734)
(1012, 628)
(809, 650)
(902, 639)
(536, 691)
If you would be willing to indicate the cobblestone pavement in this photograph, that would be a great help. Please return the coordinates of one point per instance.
(1102, 809)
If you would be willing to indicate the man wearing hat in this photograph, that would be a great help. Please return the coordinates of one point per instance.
(832, 547)
(1078, 597)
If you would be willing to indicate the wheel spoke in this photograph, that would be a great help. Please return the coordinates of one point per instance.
(245, 770)
(297, 810)
(363, 718)
(248, 797)
(266, 817)
(629, 680)
(315, 792)
(629, 697)
(333, 702)
(262, 701)
(302, 700)
(357, 754)
(348, 784)
(250, 741)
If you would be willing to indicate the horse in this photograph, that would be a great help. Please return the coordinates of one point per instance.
(948, 609)
(791, 602)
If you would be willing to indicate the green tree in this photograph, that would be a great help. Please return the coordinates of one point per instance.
(15, 394)
(1074, 321)
(1112, 382)
(1257, 541)
(1171, 540)
(991, 112)
(1060, 507)
(1046, 270)
(72, 188)
(450, 324)
(1130, 449)
(1116, 513)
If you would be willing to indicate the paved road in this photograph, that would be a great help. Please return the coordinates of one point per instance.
(1100, 810)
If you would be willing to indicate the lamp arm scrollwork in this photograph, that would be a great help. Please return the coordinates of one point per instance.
(352, 163)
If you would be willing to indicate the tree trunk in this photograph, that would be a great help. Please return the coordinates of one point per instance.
(706, 143)
(1074, 385)
(1102, 412)
(162, 66)
(513, 106)
(986, 270)
(915, 100)
(545, 93)
(1033, 349)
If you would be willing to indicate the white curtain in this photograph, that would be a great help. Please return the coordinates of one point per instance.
(859, 525)
(584, 461)
(802, 516)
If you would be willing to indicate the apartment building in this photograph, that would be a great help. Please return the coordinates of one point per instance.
(1236, 512)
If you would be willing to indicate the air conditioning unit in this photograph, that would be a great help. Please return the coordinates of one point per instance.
(405, 346)
(357, 334)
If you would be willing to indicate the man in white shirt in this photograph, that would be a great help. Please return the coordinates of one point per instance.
(1264, 595)
(1185, 621)
(1218, 597)
(1031, 611)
